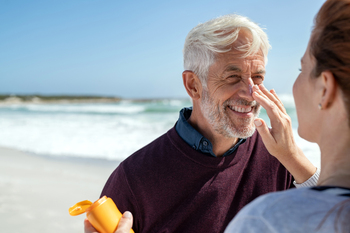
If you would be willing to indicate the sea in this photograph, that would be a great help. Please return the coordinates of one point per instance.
(108, 131)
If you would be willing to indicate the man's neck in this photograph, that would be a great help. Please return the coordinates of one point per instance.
(220, 143)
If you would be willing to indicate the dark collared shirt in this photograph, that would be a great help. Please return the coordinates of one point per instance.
(195, 139)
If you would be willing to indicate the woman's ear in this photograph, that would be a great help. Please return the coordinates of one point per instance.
(329, 89)
(192, 84)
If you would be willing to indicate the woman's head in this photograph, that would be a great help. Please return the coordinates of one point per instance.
(330, 44)
(330, 41)
(328, 53)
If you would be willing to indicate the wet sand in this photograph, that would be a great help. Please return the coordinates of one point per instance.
(36, 191)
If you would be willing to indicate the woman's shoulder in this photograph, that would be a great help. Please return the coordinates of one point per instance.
(280, 199)
(289, 199)
(282, 210)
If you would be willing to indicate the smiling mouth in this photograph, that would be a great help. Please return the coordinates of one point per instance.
(245, 109)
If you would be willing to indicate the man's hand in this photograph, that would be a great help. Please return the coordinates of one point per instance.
(124, 225)
(279, 141)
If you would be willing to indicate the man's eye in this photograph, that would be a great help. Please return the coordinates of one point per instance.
(233, 76)
(300, 69)
(258, 76)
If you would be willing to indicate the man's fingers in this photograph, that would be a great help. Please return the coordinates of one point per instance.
(124, 226)
(88, 228)
(125, 223)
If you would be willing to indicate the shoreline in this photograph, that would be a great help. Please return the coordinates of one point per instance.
(37, 190)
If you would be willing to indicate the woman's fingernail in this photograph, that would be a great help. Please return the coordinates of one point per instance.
(127, 214)
(257, 122)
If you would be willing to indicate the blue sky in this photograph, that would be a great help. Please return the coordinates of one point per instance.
(132, 49)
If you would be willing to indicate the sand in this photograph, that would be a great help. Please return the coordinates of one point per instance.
(36, 191)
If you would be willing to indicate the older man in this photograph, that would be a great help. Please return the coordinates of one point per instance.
(199, 174)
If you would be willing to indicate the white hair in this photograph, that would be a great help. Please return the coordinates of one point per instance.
(217, 36)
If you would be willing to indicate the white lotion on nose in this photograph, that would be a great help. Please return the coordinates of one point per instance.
(251, 84)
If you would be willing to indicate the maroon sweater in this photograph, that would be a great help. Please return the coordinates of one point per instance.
(170, 187)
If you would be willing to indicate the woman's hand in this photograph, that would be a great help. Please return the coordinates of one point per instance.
(124, 225)
(279, 141)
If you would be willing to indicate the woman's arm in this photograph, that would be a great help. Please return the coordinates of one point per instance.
(279, 140)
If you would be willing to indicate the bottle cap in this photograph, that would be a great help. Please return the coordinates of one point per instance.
(97, 203)
(80, 208)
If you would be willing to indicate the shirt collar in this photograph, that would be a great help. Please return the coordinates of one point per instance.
(195, 139)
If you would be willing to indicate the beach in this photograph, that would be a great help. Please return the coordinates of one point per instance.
(36, 191)
(53, 155)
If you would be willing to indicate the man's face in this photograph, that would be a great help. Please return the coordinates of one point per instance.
(227, 102)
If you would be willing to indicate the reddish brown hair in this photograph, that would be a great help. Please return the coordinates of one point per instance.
(330, 44)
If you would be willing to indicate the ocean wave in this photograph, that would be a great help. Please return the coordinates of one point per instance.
(80, 109)
(124, 107)
(86, 135)
(287, 100)
(108, 131)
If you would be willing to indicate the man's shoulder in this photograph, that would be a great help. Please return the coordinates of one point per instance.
(164, 141)
(151, 153)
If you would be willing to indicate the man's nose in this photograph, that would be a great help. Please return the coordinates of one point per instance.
(247, 89)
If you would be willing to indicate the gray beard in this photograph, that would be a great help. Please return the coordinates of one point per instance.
(220, 121)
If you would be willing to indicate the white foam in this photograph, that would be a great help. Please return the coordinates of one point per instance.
(311, 150)
(81, 108)
(287, 100)
(77, 132)
(76, 129)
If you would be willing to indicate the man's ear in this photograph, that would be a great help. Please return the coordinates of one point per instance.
(329, 88)
(192, 84)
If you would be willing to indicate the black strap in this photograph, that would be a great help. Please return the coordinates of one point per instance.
(345, 192)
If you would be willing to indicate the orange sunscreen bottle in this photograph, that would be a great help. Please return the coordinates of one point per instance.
(103, 214)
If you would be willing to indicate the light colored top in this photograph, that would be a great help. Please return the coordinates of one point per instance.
(312, 181)
(296, 210)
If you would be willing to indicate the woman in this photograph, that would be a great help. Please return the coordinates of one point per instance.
(322, 99)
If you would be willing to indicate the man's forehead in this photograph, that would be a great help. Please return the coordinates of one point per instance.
(255, 68)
